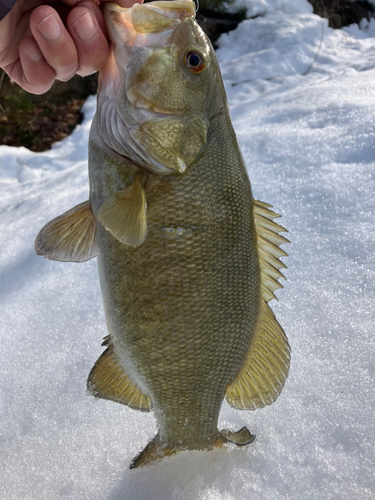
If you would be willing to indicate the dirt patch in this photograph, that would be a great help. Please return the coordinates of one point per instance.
(36, 122)
(37, 126)
(342, 13)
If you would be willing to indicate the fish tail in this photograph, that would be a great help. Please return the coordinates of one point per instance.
(155, 451)
(243, 437)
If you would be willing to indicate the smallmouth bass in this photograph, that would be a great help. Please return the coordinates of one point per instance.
(187, 259)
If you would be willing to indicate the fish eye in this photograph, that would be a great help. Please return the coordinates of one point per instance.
(194, 61)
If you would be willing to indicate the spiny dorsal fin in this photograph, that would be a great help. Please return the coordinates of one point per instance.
(71, 237)
(269, 252)
(108, 380)
(124, 215)
(266, 368)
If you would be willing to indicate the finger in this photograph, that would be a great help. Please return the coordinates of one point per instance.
(89, 39)
(54, 41)
(31, 71)
(93, 8)
(37, 75)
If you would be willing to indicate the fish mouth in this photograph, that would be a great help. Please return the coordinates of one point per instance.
(150, 25)
(127, 117)
(144, 26)
(177, 9)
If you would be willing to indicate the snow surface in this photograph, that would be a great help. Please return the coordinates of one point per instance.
(309, 143)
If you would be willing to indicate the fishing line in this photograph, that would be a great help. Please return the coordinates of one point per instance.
(317, 52)
(302, 74)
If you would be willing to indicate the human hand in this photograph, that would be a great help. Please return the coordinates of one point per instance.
(40, 43)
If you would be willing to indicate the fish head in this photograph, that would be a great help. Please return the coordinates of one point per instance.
(158, 90)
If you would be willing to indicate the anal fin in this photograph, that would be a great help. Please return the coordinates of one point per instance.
(71, 237)
(124, 214)
(108, 380)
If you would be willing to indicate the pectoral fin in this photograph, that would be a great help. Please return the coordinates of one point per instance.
(71, 237)
(108, 380)
(124, 215)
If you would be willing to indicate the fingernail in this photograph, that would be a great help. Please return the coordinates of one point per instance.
(85, 27)
(34, 53)
(50, 28)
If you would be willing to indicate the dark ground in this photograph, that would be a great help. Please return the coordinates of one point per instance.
(36, 122)
(342, 12)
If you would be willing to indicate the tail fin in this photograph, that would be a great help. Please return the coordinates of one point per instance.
(243, 437)
(155, 451)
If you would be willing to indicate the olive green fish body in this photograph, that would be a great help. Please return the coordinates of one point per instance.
(188, 260)
(181, 307)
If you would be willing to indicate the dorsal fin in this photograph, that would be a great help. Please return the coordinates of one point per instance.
(263, 375)
(124, 214)
(269, 239)
(71, 237)
(108, 380)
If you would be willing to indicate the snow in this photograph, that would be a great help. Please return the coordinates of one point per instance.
(309, 143)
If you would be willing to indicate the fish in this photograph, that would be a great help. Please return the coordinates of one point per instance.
(187, 258)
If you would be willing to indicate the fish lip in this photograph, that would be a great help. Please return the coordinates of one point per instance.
(190, 6)
(112, 6)
(176, 11)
